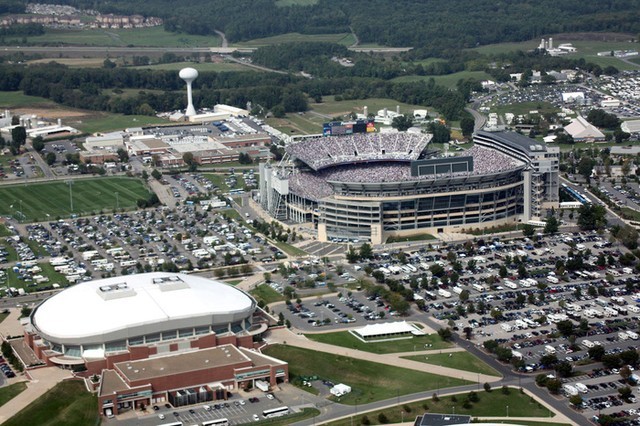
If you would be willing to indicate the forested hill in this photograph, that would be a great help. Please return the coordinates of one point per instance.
(434, 25)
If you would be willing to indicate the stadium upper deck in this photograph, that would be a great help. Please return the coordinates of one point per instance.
(319, 153)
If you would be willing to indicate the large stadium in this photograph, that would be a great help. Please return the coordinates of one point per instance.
(373, 186)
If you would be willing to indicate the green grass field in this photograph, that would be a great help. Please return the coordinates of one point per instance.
(29, 286)
(72, 62)
(9, 392)
(419, 237)
(331, 107)
(490, 404)
(68, 404)
(19, 99)
(3, 316)
(36, 201)
(347, 340)
(449, 80)
(266, 293)
(587, 49)
(200, 66)
(104, 122)
(345, 39)
(149, 37)
(458, 360)
(369, 381)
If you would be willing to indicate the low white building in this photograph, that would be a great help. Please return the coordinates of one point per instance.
(340, 389)
(583, 131)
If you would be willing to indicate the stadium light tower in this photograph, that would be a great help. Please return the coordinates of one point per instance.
(188, 75)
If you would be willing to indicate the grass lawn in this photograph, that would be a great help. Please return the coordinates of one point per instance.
(331, 107)
(345, 39)
(449, 80)
(266, 293)
(289, 249)
(283, 3)
(151, 37)
(347, 340)
(9, 392)
(200, 66)
(458, 360)
(68, 403)
(493, 230)
(218, 180)
(523, 108)
(3, 316)
(298, 124)
(72, 62)
(89, 196)
(104, 122)
(587, 49)
(491, 404)
(47, 271)
(19, 99)
(4, 231)
(12, 255)
(418, 237)
(233, 282)
(369, 381)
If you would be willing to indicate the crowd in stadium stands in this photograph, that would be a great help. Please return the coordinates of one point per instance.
(314, 186)
(322, 152)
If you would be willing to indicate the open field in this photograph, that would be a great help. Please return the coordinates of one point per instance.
(104, 122)
(347, 340)
(44, 201)
(587, 49)
(418, 237)
(448, 80)
(19, 99)
(369, 381)
(72, 62)
(68, 403)
(458, 360)
(490, 404)
(523, 108)
(346, 39)
(134, 37)
(266, 293)
(200, 66)
(86, 121)
(47, 271)
(332, 108)
(9, 392)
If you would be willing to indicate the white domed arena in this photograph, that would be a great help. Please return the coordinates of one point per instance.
(96, 318)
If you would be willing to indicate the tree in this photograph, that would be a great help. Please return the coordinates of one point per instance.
(565, 327)
(551, 225)
(592, 217)
(445, 333)
(625, 373)
(189, 160)
(554, 385)
(487, 387)
(585, 167)
(528, 230)
(365, 251)
(38, 143)
(155, 173)
(565, 369)
(596, 353)
(441, 133)
(18, 136)
(611, 361)
(467, 125)
(628, 236)
(402, 122)
(50, 158)
(123, 156)
(575, 400)
(625, 392)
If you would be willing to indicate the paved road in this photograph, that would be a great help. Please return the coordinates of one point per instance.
(478, 118)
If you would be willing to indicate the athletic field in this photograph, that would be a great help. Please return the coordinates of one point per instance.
(46, 201)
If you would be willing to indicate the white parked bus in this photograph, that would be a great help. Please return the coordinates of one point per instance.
(216, 422)
(276, 412)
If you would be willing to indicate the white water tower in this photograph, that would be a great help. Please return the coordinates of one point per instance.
(188, 75)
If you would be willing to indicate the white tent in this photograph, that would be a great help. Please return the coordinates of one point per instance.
(340, 389)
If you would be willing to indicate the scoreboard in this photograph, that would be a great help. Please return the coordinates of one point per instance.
(336, 128)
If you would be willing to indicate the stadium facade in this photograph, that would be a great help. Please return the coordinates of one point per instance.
(153, 338)
(373, 186)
